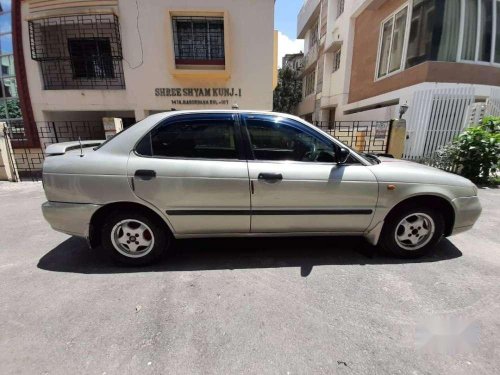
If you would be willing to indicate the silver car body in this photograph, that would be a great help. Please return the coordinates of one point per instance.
(203, 198)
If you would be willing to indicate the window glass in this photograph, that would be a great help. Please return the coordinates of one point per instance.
(198, 40)
(470, 30)
(398, 38)
(6, 44)
(10, 87)
(275, 139)
(450, 30)
(485, 36)
(384, 49)
(497, 46)
(7, 65)
(421, 32)
(5, 5)
(206, 139)
(91, 58)
(5, 23)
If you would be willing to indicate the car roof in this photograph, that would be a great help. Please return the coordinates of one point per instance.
(208, 111)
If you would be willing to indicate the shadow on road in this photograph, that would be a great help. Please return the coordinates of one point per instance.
(73, 255)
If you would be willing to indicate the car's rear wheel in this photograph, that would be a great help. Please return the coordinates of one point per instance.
(412, 231)
(134, 238)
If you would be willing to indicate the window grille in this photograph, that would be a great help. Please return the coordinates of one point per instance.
(78, 51)
(336, 60)
(309, 81)
(199, 40)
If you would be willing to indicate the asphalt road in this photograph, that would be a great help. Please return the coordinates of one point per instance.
(258, 306)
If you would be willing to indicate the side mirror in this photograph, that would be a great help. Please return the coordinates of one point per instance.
(342, 155)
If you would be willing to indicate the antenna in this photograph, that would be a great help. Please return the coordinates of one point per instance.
(81, 147)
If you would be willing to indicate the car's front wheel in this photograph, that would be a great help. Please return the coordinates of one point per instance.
(412, 231)
(134, 238)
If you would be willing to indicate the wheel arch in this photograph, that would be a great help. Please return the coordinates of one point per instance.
(432, 201)
(100, 215)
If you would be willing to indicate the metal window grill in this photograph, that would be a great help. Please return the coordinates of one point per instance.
(336, 60)
(198, 40)
(78, 51)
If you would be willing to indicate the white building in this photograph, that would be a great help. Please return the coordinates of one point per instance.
(363, 58)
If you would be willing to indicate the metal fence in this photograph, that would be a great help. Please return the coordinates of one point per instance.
(363, 136)
(26, 158)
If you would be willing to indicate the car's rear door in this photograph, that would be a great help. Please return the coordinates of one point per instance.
(192, 168)
(291, 193)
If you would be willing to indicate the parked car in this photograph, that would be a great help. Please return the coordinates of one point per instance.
(244, 173)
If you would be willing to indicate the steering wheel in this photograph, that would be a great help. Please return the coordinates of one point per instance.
(312, 154)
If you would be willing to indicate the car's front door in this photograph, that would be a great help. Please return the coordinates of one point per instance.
(296, 183)
(192, 168)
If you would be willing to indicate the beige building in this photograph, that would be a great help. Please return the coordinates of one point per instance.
(92, 59)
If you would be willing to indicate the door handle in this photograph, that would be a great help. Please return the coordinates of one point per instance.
(271, 177)
(145, 174)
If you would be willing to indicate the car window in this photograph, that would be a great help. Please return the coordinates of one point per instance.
(275, 139)
(203, 139)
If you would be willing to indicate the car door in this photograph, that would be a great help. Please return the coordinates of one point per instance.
(296, 183)
(192, 168)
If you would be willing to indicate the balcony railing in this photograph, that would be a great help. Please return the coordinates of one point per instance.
(311, 56)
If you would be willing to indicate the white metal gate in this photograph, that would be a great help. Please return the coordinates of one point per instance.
(435, 117)
(493, 103)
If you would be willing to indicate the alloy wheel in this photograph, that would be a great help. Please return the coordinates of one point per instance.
(414, 231)
(132, 238)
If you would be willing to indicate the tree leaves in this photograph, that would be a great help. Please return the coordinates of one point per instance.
(475, 153)
(288, 93)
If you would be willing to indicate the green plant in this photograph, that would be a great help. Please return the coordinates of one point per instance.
(288, 92)
(11, 107)
(475, 153)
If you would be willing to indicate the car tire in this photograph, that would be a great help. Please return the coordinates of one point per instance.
(412, 231)
(134, 239)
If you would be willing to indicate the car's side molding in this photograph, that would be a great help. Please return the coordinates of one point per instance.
(269, 212)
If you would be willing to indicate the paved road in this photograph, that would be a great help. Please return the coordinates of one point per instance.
(280, 306)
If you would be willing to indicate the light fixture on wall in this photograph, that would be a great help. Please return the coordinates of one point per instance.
(235, 106)
(402, 110)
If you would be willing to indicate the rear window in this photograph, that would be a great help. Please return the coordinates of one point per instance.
(197, 139)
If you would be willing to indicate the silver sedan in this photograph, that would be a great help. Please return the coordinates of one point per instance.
(244, 173)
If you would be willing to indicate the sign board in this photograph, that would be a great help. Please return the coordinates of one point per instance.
(381, 129)
(199, 95)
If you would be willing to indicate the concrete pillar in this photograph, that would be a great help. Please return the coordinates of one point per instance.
(8, 172)
(360, 141)
(112, 125)
(396, 138)
(140, 114)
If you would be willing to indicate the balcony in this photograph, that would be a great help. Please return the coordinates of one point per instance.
(307, 15)
(310, 57)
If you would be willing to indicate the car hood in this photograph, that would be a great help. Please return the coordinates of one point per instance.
(397, 170)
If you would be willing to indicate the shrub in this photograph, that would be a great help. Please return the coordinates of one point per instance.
(475, 153)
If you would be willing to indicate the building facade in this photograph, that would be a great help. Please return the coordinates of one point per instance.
(364, 58)
(95, 59)
(292, 61)
(9, 100)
